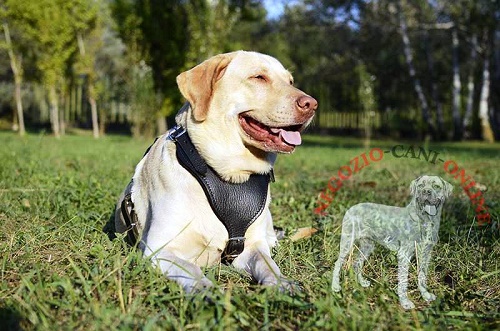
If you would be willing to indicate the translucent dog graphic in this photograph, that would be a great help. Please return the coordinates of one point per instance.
(401, 229)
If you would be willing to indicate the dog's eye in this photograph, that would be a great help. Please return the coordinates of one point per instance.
(291, 81)
(436, 187)
(260, 77)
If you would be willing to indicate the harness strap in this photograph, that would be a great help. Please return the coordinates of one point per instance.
(130, 218)
(237, 206)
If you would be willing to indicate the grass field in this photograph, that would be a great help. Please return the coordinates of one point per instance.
(60, 271)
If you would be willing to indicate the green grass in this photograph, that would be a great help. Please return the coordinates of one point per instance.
(60, 271)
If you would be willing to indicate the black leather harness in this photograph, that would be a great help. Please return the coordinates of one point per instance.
(237, 206)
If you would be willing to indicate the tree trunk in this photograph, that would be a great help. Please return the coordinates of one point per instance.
(19, 107)
(102, 121)
(16, 66)
(457, 86)
(487, 132)
(79, 99)
(93, 111)
(54, 111)
(416, 82)
(434, 90)
(62, 119)
(161, 124)
(470, 87)
(495, 98)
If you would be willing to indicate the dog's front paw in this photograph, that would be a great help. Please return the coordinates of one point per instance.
(282, 284)
(428, 296)
(363, 281)
(288, 285)
(198, 286)
(336, 286)
(406, 303)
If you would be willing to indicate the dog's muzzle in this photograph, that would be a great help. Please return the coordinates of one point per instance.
(429, 205)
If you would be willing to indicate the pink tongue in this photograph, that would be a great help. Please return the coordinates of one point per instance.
(291, 137)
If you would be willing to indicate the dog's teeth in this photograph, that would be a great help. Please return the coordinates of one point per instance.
(431, 210)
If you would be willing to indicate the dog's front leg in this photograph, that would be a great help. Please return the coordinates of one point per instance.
(424, 254)
(257, 261)
(186, 274)
(405, 253)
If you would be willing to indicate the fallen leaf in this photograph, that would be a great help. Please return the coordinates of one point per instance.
(26, 203)
(303, 233)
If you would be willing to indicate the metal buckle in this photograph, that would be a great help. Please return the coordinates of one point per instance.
(234, 247)
(130, 219)
(176, 132)
(271, 176)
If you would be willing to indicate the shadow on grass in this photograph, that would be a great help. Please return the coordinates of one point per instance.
(109, 228)
(11, 319)
(459, 227)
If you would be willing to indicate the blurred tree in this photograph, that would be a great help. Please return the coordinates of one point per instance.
(467, 21)
(88, 30)
(50, 24)
(17, 45)
(484, 115)
(381, 50)
(433, 35)
(323, 53)
(220, 26)
(408, 52)
(420, 66)
(467, 121)
(172, 36)
(367, 100)
(251, 29)
(100, 57)
(110, 67)
(16, 61)
(156, 36)
(164, 29)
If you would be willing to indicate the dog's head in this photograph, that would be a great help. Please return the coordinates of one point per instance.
(243, 104)
(430, 193)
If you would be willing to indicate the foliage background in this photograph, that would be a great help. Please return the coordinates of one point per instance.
(111, 64)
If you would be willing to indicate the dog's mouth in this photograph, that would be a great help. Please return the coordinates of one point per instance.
(431, 207)
(281, 139)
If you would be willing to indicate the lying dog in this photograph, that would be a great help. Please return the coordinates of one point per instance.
(400, 229)
(201, 191)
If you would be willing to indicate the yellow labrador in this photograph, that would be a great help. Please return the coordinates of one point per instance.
(192, 195)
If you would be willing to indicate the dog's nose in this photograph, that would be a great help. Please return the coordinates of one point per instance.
(307, 104)
(428, 191)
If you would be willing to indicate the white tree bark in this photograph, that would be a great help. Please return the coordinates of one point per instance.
(495, 104)
(54, 111)
(483, 103)
(16, 66)
(457, 86)
(62, 119)
(93, 111)
(470, 84)
(92, 92)
(409, 61)
(434, 88)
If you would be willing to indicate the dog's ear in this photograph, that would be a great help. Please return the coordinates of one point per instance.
(448, 188)
(197, 85)
(413, 185)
